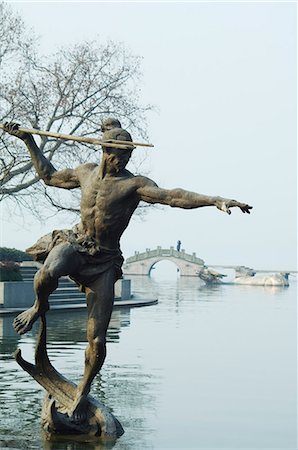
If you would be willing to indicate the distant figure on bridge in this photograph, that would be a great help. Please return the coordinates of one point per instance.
(178, 246)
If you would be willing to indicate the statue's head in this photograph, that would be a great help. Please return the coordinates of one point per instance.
(115, 159)
(117, 134)
(110, 123)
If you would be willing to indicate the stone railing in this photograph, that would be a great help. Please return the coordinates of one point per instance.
(164, 253)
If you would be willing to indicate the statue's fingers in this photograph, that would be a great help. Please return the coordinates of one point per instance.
(6, 126)
(11, 126)
(15, 126)
(225, 208)
(246, 209)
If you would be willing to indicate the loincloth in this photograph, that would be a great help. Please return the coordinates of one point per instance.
(95, 259)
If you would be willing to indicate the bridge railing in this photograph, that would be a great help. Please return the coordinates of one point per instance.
(164, 252)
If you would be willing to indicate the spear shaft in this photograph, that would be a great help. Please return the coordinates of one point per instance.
(70, 137)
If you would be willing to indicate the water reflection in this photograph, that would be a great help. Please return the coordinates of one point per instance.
(71, 443)
(224, 356)
(8, 338)
(62, 326)
(72, 326)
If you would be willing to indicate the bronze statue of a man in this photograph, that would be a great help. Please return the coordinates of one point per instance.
(90, 253)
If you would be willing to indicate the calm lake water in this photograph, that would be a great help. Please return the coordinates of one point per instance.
(205, 368)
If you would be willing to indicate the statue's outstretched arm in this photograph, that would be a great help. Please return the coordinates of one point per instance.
(66, 179)
(181, 198)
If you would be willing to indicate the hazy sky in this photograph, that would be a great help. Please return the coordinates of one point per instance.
(223, 77)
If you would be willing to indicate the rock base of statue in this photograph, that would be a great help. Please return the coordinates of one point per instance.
(60, 395)
(100, 422)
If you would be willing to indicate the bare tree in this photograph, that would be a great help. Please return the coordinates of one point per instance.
(12, 39)
(70, 91)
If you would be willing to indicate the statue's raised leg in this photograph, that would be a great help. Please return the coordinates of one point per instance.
(62, 260)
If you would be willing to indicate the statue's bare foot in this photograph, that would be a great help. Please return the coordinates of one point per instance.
(79, 409)
(24, 321)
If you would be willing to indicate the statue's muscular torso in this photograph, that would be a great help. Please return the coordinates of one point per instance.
(107, 204)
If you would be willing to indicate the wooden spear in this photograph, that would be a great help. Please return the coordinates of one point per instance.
(114, 143)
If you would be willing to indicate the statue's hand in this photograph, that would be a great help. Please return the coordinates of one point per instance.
(225, 204)
(13, 129)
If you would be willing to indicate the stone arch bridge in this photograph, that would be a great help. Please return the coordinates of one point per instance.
(142, 263)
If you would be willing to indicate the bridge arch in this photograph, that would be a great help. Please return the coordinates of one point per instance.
(142, 263)
(173, 260)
